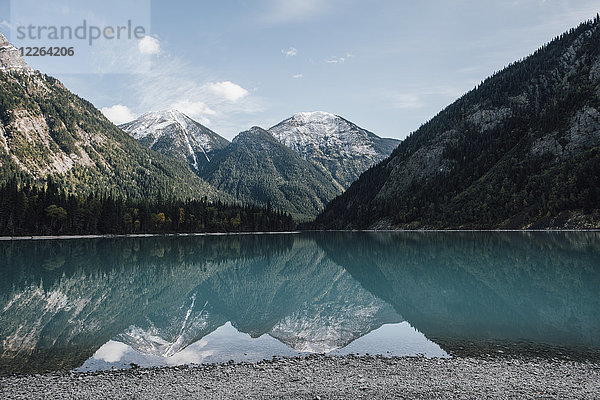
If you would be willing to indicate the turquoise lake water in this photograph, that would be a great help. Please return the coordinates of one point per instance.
(100, 303)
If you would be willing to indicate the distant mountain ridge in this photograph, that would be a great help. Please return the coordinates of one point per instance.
(298, 165)
(522, 150)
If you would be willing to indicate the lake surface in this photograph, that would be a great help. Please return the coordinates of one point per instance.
(100, 303)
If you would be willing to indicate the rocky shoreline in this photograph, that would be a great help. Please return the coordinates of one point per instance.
(324, 377)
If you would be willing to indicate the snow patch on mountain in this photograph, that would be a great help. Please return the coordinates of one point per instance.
(333, 144)
(309, 133)
(151, 123)
(173, 133)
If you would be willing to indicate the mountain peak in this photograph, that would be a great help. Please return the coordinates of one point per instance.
(333, 144)
(319, 125)
(256, 132)
(257, 169)
(147, 123)
(314, 116)
(256, 129)
(167, 114)
(10, 58)
(173, 133)
(173, 112)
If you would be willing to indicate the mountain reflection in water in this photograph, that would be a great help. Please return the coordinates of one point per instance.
(97, 303)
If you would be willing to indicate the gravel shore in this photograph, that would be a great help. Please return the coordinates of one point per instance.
(325, 378)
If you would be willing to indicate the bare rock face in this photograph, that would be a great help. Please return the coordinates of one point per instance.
(583, 133)
(487, 119)
(10, 58)
(584, 130)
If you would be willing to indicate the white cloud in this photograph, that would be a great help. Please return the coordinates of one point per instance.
(149, 45)
(6, 24)
(197, 110)
(227, 90)
(452, 92)
(298, 76)
(408, 101)
(424, 96)
(118, 114)
(339, 60)
(173, 82)
(291, 52)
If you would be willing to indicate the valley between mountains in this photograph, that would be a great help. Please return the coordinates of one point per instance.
(519, 151)
(296, 166)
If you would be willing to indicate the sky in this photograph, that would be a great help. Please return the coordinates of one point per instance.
(386, 65)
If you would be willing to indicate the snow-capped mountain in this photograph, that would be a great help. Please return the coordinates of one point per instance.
(176, 135)
(333, 144)
(298, 165)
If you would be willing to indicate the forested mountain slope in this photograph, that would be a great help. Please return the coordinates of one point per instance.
(331, 153)
(256, 168)
(519, 151)
(45, 130)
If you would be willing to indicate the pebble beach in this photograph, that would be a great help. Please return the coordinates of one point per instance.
(324, 377)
